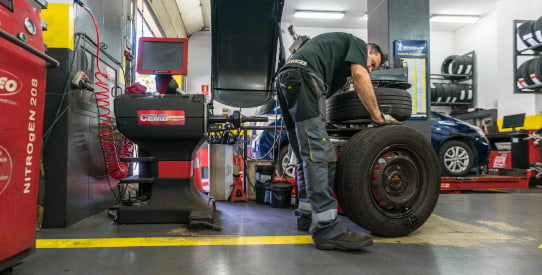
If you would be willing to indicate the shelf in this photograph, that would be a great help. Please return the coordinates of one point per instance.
(467, 82)
(454, 76)
(532, 87)
(451, 103)
(535, 52)
(516, 64)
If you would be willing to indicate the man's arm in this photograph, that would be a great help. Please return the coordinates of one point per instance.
(364, 88)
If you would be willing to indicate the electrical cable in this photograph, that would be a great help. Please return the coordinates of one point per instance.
(61, 111)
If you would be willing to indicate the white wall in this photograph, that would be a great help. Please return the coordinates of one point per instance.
(441, 45)
(199, 62)
(482, 39)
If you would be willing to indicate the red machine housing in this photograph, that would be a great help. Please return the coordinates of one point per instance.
(22, 93)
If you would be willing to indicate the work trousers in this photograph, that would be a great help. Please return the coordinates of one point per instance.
(301, 96)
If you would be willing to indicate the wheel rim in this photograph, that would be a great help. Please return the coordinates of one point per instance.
(396, 185)
(456, 159)
(287, 169)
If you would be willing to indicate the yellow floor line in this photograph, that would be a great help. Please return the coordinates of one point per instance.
(171, 241)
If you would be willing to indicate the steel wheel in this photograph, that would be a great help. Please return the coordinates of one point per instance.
(388, 180)
(395, 178)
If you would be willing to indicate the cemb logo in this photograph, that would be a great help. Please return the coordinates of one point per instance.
(9, 83)
(153, 117)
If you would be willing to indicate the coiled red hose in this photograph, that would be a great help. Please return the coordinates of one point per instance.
(115, 167)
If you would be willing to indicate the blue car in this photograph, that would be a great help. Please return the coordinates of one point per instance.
(460, 146)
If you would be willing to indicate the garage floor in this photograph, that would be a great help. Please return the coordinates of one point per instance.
(469, 233)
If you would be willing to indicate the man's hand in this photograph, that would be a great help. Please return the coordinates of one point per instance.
(388, 120)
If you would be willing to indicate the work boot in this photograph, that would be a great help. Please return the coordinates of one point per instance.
(347, 241)
(304, 219)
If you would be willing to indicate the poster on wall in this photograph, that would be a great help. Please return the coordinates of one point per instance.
(413, 54)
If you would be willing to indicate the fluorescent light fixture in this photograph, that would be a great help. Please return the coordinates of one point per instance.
(365, 16)
(319, 14)
(448, 18)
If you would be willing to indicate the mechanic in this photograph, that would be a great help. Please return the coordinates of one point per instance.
(320, 67)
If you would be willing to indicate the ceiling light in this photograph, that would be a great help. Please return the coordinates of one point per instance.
(447, 18)
(319, 14)
(365, 16)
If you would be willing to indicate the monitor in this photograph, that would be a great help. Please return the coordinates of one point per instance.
(513, 121)
(162, 56)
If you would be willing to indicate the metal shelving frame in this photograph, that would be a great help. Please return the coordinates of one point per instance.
(527, 51)
(455, 78)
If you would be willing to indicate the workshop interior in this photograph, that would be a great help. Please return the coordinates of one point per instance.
(132, 116)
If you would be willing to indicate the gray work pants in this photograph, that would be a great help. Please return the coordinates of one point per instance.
(301, 96)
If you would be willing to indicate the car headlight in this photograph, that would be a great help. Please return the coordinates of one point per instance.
(479, 131)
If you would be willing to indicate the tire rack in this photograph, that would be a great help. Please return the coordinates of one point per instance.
(459, 107)
(528, 52)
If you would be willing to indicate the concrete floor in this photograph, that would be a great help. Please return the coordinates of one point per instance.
(469, 233)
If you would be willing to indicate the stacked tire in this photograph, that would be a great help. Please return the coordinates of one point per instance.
(457, 65)
(345, 105)
(451, 93)
(454, 67)
(529, 73)
(530, 32)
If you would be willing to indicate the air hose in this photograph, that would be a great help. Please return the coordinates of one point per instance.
(115, 167)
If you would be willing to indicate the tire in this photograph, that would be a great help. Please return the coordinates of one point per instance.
(469, 63)
(454, 91)
(447, 94)
(456, 158)
(525, 32)
(283, 169)
(525, 73)
(537, 30)
(440, 92)
(388, 180)
(521, 72)
(453, 65)
(344, 106)
(535, 71)
(433, 93)
(462, 92)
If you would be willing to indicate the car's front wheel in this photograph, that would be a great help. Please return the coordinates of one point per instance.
(456, 158)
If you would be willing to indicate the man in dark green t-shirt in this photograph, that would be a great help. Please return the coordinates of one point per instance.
(319, 68)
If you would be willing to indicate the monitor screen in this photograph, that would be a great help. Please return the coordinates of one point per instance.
(162, 56)
(513, 121)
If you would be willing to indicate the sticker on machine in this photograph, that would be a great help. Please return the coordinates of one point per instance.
(6, 169)
(161, 117)
(499, 162)
(10, 84)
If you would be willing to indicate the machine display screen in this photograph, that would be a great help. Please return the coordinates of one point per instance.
(7, 3)
(162, 56)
